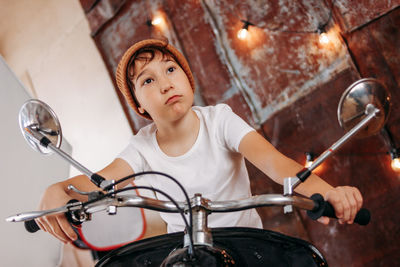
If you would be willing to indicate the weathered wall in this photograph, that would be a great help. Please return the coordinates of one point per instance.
(288, 85)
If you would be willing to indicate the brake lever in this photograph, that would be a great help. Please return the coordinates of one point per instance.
(91, 195)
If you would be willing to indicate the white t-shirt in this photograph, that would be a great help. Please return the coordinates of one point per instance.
(213, 166)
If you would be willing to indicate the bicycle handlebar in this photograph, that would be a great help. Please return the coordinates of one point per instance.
(315, 206)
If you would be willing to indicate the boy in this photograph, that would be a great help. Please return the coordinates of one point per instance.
(203, 147)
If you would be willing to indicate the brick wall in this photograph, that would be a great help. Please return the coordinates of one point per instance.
(287, 84)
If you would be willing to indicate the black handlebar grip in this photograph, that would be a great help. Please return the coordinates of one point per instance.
(324, 208)
(31, 226)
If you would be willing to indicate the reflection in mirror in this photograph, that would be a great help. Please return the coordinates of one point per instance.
(353, 103)
(37, 115)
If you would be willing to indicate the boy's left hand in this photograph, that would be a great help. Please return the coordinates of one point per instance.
(346, 201)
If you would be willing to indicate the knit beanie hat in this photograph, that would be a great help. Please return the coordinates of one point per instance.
(122, 78)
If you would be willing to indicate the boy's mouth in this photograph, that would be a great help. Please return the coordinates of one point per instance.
(172, 99)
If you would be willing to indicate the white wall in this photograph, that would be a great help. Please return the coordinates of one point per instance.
(25, 174)
(47, 45)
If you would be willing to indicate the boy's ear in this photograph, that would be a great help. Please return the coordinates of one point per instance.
(141, 110)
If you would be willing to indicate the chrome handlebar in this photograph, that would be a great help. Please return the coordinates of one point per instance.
(167, 206)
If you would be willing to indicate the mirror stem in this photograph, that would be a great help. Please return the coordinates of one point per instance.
(44, 141)
(291, 183)
(370, 111)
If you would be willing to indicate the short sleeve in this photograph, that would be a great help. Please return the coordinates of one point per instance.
(231, 128)
(132, 156)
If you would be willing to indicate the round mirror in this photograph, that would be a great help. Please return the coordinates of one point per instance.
(37, 115)
(352, 105)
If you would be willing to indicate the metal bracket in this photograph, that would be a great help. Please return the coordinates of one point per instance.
(289, 184)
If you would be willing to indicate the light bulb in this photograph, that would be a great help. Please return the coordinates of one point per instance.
(242, 34)
(323, 38)
(308, 163)
(309, 159)
(156, 21)
(396, 164)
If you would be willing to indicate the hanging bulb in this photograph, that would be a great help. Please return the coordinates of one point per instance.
(309, 159)
(243, 33)
(323, 38)
(157, 20)
(396, 164)
(394, 153)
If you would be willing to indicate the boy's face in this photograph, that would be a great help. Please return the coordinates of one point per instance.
(161, 87)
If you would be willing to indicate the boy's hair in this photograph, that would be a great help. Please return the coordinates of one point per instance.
(125, 69)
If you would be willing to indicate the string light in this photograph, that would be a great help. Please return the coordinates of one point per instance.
(157, 21)
(243, 33)
(393, 150)
(395, 164)
(309, 159)
(323, 36)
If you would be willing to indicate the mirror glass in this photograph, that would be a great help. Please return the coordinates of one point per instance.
(38, 115)
(352, 105)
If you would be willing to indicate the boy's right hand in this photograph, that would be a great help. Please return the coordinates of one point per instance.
(57, 195)
(57, 225)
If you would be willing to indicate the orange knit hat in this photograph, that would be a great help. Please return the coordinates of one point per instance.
(122, 72)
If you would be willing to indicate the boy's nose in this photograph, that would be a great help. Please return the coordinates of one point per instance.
(166, 85)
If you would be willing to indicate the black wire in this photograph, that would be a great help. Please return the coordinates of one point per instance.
(331, 11)
(191, 249)
(167, 176)
(321, 26)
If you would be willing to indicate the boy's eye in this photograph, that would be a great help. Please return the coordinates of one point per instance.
(147, 81)
(171, 69)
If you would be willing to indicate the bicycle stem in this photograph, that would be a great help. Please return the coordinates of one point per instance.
(201, 234)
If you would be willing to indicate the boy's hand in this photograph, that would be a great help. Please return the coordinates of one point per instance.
(346, 201)
(57, 225)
